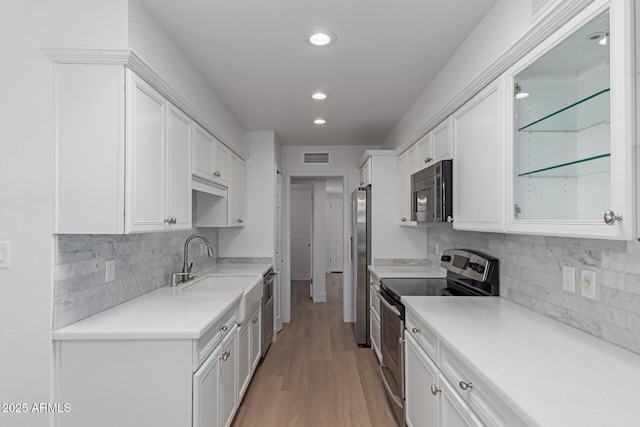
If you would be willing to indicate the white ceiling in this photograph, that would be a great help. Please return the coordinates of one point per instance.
(253, 55)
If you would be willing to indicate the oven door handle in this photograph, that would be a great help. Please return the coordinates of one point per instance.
(393, 309)
(397, 399)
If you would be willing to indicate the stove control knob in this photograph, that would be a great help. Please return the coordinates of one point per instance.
(445, 258)
(473, 266)
(480, 269)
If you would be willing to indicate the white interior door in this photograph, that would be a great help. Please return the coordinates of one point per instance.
(279, 296)
(301, 233)
(336, 243)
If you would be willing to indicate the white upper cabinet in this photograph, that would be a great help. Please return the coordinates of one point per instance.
(158, 161)
(365, 173)
(123, 156)
(220, 163)
(203, 152)
(570, 163)
(441, 137)
(405, 160)
(210, 158)
(179, 143)
(478, 149)
(236, 194)
(436, 145)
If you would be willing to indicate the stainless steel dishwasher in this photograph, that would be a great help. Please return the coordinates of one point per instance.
(267, 309)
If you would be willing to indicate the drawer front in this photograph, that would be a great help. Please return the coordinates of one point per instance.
(375, 303)
(210, 339)
(484, 403)
(422, 334)
(375, 337)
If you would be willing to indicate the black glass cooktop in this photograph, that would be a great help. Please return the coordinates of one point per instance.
(403, 287)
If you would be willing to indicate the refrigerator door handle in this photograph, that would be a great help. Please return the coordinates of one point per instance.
(351, 248)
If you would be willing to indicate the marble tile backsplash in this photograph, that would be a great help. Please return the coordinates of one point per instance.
(143, 262)
(531, 275)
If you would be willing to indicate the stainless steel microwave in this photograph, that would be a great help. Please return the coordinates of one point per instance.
(431, 199)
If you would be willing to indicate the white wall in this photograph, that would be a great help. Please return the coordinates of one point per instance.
(26, 182)
(257, 237)
(502, 27)
(342, 159)
(388, 239)
(148, 39)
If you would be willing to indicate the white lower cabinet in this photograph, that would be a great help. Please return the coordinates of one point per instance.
(249, 350)
(206, 380)
(374, 321)
(214, 385)
(454, 412)
(446, 393)
(149, 382)
(420, 374)
(228, 397)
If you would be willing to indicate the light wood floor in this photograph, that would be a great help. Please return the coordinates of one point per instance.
(315, 374)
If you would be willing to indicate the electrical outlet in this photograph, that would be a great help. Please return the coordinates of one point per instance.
(568, 278)
(110, 270)
(588, 283)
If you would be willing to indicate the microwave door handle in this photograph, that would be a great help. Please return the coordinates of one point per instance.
(388, 306)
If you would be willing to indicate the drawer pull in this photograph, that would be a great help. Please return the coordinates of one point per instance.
(226, 355)
(416, 330)
(465, 386)
(254, 320)
(434, 390)
(224, 328)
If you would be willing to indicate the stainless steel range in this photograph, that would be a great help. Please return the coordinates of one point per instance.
(469, 273)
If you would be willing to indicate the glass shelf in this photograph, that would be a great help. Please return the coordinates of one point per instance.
(581, 167)
(580, 115)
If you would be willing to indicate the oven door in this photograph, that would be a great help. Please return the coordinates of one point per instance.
(392, 366)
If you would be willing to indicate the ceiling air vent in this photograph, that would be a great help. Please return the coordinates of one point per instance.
(316, 157)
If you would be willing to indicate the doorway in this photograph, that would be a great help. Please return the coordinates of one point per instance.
(327, 189)
(301, 226)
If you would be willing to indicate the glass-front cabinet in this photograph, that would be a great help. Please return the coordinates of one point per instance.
(572, 106)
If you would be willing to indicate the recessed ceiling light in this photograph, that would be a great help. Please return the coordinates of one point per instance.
(321, 38)
(319, 121)
(319, 96)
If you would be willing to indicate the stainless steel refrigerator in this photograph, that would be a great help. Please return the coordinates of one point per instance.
(361, 258)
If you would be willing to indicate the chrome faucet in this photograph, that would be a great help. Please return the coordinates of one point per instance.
(186, 266)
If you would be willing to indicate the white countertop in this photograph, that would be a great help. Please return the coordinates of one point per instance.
(550, 374)
(166, 313)
(382, 271)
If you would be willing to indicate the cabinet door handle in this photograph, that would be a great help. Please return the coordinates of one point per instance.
(167, 220)
(416, 330)
(226, 355)
(174, 220)
(610, 217)
(428, 159)
(434, 390)
(240, 220)
(403, 219)
(224, 328)
(254, 320)
(465, 386)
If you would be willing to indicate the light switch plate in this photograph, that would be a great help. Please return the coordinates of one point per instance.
(5, 254)
(588, 283)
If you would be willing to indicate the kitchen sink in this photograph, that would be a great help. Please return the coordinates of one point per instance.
(250, 285)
